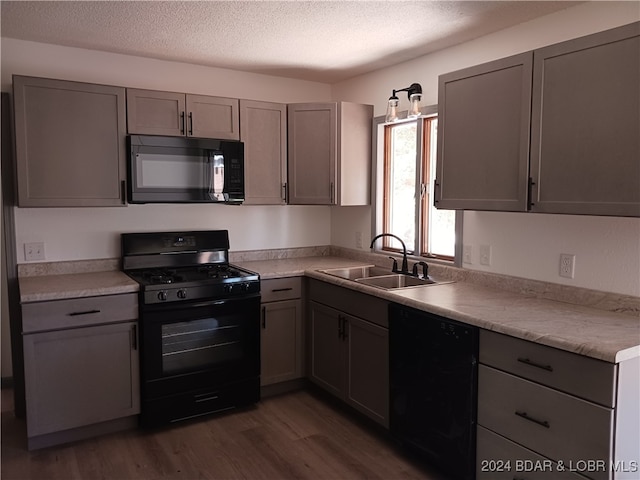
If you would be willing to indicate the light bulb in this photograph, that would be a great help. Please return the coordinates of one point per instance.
(414, 105)
(392, 110)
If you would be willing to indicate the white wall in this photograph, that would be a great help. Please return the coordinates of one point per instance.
(86, 233)
(525, 245)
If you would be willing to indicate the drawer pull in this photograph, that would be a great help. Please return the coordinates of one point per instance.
(526, 361)
(205, 397)
(282, 289)
(86, 312)
(524, 415)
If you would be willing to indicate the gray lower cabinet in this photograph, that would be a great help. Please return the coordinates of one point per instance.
(281, 334)
(349, 348)
(151, 112)
(545, 413)
(70, 143)
(554, 130)
(81, 367)
(329, 146)
(263, 129)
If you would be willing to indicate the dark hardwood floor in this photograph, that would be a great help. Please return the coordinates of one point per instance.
(297, 435)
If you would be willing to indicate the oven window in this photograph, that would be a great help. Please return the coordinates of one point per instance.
(189, 346)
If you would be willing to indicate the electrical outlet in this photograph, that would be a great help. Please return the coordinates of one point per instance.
(467, 252)
(485, 254)
(567, 265)
(358, 239)
(34, 251)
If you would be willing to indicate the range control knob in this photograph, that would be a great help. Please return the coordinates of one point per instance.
(162, 295)
(245, 287)
(182, 293)
(228, 287)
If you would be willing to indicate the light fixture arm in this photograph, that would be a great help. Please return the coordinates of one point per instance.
(411, 90)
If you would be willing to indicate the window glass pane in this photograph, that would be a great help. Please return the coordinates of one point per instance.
(402, 187)
(442, 223)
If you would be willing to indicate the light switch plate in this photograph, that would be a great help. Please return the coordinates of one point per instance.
(485, 254)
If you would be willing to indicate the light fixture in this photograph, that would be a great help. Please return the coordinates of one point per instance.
(414, 93)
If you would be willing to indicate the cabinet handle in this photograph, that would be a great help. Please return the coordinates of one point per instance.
(436, 185)
(530, 185)
(86, 312)
(282, 289)
(123, 191)
(134, 337)
(524, 415)
(284, 192)
(264, 317)
(531, 363)
(205, 397)
(182, 123)
(190, 123)
(331, 193)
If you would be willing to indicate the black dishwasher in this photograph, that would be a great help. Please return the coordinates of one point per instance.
(433, 388)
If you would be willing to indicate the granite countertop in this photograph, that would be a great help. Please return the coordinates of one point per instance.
(57, 287)
(601, 334)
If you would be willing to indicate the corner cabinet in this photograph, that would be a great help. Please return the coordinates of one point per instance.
(349, 348)
(554, 130)
(585, 131)
(281, 333)
(70, 143)
(151, 112)
(329, 153)
(81, 367)
(263, 129)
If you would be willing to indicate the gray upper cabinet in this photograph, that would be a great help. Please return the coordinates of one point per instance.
(263, 129)
(554, 130)
(483, 136)
(70, 143)
(329, 153)
(151, 112)
(585, 136)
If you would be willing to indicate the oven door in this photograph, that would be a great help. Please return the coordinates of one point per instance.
(190, 346)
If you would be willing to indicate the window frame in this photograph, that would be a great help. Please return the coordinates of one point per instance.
(379, 193)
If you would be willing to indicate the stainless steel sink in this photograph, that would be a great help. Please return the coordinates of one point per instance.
(380, 277)
(396, 280)
(355, 273)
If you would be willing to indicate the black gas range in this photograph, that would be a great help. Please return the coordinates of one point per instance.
(199, 324)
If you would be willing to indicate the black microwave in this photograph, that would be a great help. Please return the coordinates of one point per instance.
(184, 170)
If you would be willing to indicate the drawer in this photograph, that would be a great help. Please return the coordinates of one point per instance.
(354, 303)
(78, 312)
(277, 289)
(551, 423)
(498, 458)
(584, 377)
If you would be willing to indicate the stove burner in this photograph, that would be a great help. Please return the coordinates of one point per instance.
(217, 271)
(156, 277)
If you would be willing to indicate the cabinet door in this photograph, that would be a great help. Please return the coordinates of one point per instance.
(327, 349)
(483, 136)
(281, 341)
(155, 113)
(312, 129)
(354, 162)
(263, 129)
(585, 147)
(213, 117)
(70, 143)
(368, 369)
(80, 376)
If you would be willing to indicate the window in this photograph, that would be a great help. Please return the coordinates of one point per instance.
(404, 186)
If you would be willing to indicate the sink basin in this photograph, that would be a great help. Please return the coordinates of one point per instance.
(355, 273)
(396, 280)
(380, 277)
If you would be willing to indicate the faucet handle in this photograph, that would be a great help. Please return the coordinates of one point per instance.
(395, 265)
(425, 269)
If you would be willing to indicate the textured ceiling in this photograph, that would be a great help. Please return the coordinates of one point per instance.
(324, 41)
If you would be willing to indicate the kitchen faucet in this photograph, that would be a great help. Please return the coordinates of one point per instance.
(405, 266)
